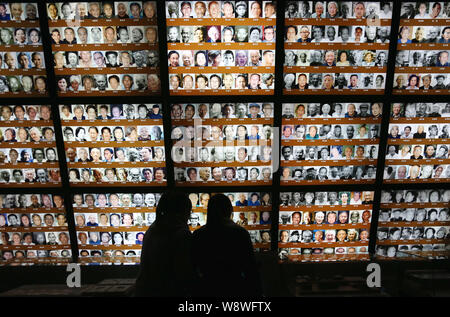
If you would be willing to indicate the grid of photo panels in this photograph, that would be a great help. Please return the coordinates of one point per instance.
(418, 143)
(221, 47)
(112, 144)
(28, 154)
(22, 64)
(336, 47)
(110, 227)
(251, 210)
(33, 230)
(222, 144)
(422, 63)
(107, 48)
(324, 226)
(333, 143)
(414, 225)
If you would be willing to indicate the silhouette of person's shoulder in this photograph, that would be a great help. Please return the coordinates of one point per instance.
(224, 254)
(166, 267)
(165, 262)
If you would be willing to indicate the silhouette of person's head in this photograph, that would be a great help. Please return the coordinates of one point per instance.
(219, 209)
(173, 208)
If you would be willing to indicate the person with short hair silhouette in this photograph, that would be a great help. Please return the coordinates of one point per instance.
(223, 257)
(166, 267)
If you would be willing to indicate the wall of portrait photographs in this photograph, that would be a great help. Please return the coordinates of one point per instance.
(324, 226)
(28, 154)
(414, 225)
(114, 144)
(110, 227)
(221, 47)
(336, 47)
(422, 63)
(105, 48)
(22, 64)
(251, 210)
(418, 143)
(330, 143)
(33, 230)
(222, 144)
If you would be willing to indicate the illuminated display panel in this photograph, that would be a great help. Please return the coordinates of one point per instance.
(114, 144)
(111, 227)
(418, 143)
(422, 61)
(105, 48)
(33, 230)
(251, 210)
(22, 64)
(336, 47)
(324, 226)
(28, 154)
(414, 225)
(221, 47)
(330, 143)
(222, 144)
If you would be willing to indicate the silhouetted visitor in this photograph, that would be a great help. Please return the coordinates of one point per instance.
(223, 256)
(166, 267)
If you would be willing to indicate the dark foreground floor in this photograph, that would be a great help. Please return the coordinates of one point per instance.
(343, 279)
